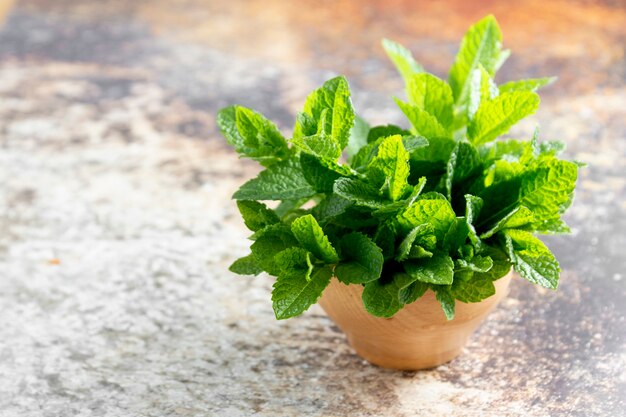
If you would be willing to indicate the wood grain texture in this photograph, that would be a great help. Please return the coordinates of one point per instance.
(418, 337)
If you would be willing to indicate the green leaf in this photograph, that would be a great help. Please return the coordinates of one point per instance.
(553, 227)
(331, 206)
(256, 215)
(391, 167)
(518, 217)
(358, 192)
(246, 265)
(446, 299)
(362, 260)
(480, 46)
(473, 205)
(292, 260)
(385, 239)
(439, 269)
(382, 297)
(293, 293)
(433, 95)
(369, 151)
(384, 131)
(422, 235)
(532, 259)
(393, 209)
(510, 150)
(495, 117)
(476, 264)
(320, 145)
(402, 59)
(329, 110)
(319, 173)
(286, 207)
(532, 84)
(424, 123)
(472, 289)
(547, 190)
(412, 292)
(464, 163)
(437, 212)
(456, 235)
(358, 137)
(269, 241)
(311, 236)
(281, 181)
(501, 264)
(252, 135)
(482, 89)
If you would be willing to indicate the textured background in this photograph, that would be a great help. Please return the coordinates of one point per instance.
(116, 227)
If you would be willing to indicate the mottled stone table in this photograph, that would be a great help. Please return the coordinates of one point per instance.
(116, 227)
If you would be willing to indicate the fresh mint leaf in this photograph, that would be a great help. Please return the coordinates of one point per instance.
(382, 297)
(495, 117)
(384, 131)
(473, 205)
(268, 242)
(476, 264)
(252, 135)
(480, 46)
(412, 292)
(436, 212)
(358, 192)
(318, 173)
(369, 151)
(330, 109)
(295, 260)
(532, 259)
(424, 123)
(446, 299)
(362, 260)
(518, 217)
(422, 235)
(456, 235)
(433, 95)
(246, 265)
(553, 227)
(286, 207)
(359, 135)
(293, 294)
(501, 264)
(256, 215)
(281, 181)
(385, 239)
(391, 167)
(482, 89)
(402, 59)
(438, 269)
(547, 189)
(320, 145)
(464, 163)
(532, 84)
(311, 236)
(393, 209)
(331, 206)
(472, 289)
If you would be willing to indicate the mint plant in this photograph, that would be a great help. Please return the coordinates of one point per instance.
(448, 205)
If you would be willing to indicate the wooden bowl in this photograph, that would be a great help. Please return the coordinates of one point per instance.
(418, 337)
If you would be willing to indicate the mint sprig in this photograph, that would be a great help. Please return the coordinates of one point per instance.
(446, 205)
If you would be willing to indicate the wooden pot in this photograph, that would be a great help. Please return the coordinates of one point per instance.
(418, 337)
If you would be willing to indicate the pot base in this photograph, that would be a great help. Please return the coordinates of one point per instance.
(418, 337)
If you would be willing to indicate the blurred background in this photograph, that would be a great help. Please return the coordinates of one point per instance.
(117, 228)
